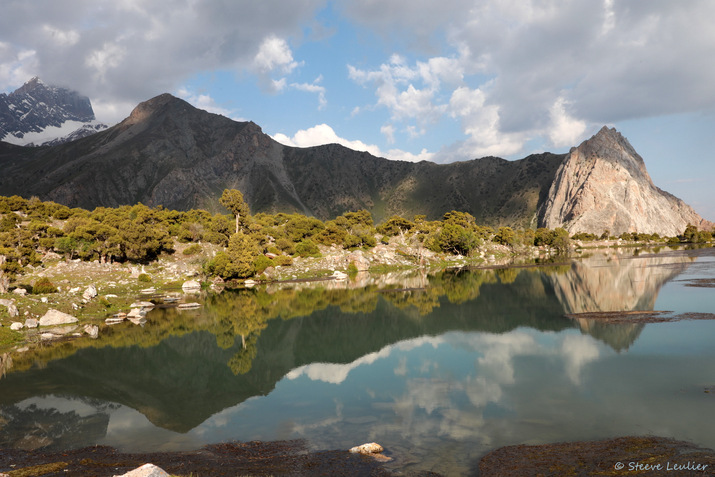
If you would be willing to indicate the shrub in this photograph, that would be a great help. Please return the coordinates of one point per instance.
(261, 263)
(42, 286)
(286, 246)
(307, 248)
(143, 277)
(283, 260)
(193, 249)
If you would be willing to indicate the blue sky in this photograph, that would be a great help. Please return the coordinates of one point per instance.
(410, 80)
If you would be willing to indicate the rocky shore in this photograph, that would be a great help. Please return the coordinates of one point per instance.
(91, 295)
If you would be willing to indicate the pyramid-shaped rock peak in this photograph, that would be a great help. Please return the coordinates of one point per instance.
(603, 185)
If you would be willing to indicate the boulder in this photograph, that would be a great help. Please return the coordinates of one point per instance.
(30, 323)
(370, 448)
(56, 317)
(20, 291)
(16, 326)
(146, 470)
(190, 286)
(11, 308)
(89, 292)
(92, 331)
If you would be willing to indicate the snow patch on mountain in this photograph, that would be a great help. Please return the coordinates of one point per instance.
(53, 135)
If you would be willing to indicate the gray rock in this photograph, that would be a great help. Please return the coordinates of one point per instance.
(56, 317)
(11, 308)
(30, 323)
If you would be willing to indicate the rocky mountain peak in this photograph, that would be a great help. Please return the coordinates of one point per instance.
(603, 185)
(610, 145)
(37, 113)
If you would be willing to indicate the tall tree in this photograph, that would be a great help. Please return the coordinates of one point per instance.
(232, 199)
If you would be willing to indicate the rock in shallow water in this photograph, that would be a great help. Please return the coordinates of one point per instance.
(370, 448)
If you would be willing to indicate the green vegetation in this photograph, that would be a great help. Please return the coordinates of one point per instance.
(33, 231)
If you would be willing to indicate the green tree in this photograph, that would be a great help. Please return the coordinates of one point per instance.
(232, 199)
(242, 253)
(505, 236)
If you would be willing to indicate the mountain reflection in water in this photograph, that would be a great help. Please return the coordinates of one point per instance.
(422, 337)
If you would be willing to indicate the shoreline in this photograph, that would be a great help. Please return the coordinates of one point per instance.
(642, 455)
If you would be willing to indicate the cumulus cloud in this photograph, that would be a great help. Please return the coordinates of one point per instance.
(553, 71)
(126, 52)
(324, 134)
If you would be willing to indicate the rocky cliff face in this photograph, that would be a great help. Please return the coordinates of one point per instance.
(603, 185)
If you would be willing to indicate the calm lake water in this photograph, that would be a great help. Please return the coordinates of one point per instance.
(438, 369)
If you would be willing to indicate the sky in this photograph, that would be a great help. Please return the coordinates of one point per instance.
(443, 81)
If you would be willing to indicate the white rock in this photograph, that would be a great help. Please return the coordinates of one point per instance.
(136, 313)
(56, 317)
(44, 299)
(191, 286)
(92, 330)
(74, 290)
(370, 448)
(16, 326)
(11, 308)
(89, 292)
(142, 304)
(30, 323)
(20, 291)
(146, 470)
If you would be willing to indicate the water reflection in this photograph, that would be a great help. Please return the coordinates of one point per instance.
(460, 361)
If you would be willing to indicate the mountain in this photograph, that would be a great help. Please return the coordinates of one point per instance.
(168, 152)
(37, 113)
(603, 185)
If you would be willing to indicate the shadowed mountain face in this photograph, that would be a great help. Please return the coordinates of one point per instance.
(167, 152)
(172, 154)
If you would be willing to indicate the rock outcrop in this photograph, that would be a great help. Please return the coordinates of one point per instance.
(603, 185)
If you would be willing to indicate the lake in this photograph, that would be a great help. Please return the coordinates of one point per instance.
(439, 369)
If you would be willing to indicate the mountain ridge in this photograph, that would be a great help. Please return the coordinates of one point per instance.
(166, 152)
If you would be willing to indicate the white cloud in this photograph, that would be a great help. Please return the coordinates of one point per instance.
(101, 60)
(274, 55)
(205, 102)
(564, 130)
(543, 71)
(62, 38)
(388, 130)
(324, 134)
(313, 87)
(578, 351)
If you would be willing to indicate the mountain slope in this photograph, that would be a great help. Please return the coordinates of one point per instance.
(167, 152)
(603, 185)
(37, 113)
